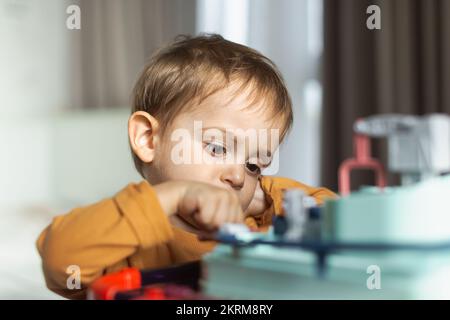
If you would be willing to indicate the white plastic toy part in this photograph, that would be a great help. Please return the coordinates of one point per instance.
(424, 149)
(296, 205)
(233, 229)
(418, 146)
(239, 231)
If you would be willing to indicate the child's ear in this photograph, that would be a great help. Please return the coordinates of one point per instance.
(143, 134)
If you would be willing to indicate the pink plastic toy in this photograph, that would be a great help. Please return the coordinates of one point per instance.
(362, 160)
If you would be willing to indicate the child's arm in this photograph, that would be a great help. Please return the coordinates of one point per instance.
(101, 237)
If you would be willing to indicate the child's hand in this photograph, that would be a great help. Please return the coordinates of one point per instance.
(259, 202)
(204, 205)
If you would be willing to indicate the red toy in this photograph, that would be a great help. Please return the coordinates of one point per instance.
(178, 282)
(362, 160)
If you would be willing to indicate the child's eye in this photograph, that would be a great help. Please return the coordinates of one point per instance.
(253, 168)
(216, 149)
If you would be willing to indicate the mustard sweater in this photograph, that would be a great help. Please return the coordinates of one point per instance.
(132, 230)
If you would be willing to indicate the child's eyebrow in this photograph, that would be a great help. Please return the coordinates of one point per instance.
(224, 131)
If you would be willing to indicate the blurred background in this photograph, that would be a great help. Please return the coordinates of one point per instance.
(64, 94)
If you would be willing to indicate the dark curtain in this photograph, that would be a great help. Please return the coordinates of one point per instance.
(402, 68)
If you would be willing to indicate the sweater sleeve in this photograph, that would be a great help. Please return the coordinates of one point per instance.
(273, 188)
(101, 235)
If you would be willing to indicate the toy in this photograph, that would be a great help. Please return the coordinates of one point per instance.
(177, 282)
(401, 231)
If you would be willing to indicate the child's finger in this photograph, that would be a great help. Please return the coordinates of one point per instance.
(206, 235)
(239, 218)
(206, 214)
(221, 213)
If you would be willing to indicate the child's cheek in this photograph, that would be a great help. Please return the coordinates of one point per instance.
(258, 203)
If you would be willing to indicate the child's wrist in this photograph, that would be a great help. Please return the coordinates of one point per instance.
(168, 194)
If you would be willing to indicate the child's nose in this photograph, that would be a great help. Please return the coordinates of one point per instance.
(234, 175)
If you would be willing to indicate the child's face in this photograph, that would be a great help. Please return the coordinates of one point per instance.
(198, 145)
